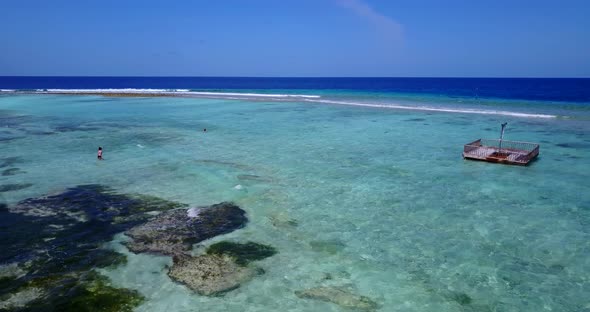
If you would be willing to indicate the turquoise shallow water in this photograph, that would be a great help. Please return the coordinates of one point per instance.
(383, 201)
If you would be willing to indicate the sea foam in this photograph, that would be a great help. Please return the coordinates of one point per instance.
(183, 92)
(436, 109)
(287, 97)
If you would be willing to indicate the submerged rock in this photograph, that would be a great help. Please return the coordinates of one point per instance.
(327, 246)
(20, 299)
(415, 119)
(242, 253)
(76, 292)
(74, 127)
(14, 187)
(282, 220)
(460, 298)
(339, 296)
(210, 274)
(11, 172)
(10, 161)
(98, 295)
(11, 270)
(223, 163)
(93, 202)
(576, 145)
(222, 268)
(8, 139)
(173, 232)
(61, 235)
(254, 178)
(155, 138)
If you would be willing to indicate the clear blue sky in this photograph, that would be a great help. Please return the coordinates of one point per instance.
(470, 38)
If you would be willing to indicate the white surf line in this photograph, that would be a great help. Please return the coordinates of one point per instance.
(256, 95)
(435, 109)
(176, 92)
(123, 90)
(304, 97)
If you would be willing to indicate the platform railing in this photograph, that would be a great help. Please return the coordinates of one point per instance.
(474, 149)
(514, 152)
(510, 145)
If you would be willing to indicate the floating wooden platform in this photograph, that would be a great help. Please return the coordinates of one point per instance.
(512, 152)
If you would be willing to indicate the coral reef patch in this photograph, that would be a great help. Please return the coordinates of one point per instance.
(175, 231)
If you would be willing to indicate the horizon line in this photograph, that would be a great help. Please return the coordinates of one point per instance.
(292, 77)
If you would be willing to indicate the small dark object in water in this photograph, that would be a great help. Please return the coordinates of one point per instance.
(39, 132)
(460, 298)
(253, 177)
(9, 139)
(573, 145)
(9, 161)
(416, 119)
(340, 296)
(242, 253)
(14, 187)
(11, 171)
(72, 128)
(205, 130)
(328, 246)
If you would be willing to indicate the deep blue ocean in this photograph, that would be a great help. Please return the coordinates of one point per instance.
(534, 89)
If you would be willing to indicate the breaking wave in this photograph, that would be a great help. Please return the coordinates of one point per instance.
(282, 97)
(181, 92)
(437, 109)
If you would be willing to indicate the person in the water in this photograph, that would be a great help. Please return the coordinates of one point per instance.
(99, 153)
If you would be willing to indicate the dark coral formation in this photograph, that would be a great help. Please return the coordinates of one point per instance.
(174, 231)
(94, 203)
(14, 187)
(224, 266)
(10, 161)
(461, 298)
(96, 294)
(71, 293)
(56, 240)
(415, 119)
(71, 225)
(74, 127)
(11, 171)
(242, 253)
